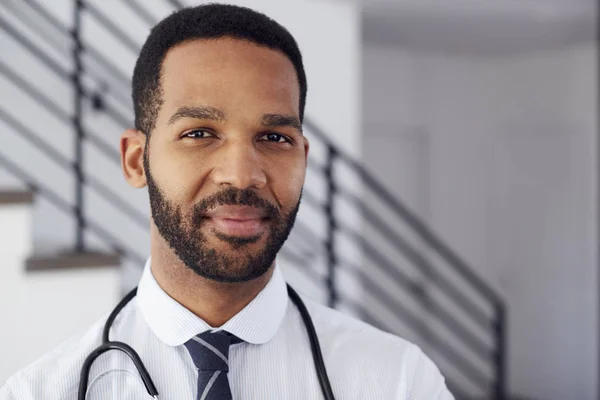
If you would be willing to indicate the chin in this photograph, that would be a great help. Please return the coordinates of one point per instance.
(250, 244)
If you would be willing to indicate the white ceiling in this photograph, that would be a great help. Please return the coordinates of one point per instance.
(479, 26)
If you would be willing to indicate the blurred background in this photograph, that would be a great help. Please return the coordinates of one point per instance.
(451, 194)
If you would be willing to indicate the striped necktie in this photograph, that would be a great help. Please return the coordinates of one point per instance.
(210, 352)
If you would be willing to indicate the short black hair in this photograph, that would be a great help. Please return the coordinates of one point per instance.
(208, 21)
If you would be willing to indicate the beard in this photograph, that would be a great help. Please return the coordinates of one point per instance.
(182, 232)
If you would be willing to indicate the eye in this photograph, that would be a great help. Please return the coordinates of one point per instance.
(276, 138)
(198, 134)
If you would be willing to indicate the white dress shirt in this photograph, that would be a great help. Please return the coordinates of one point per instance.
(275, 362)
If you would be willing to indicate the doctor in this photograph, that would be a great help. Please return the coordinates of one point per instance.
(219, 94)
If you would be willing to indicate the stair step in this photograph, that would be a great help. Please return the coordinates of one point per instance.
(72, 260)
(15, 197)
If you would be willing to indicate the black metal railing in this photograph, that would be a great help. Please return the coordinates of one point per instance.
(481, 326)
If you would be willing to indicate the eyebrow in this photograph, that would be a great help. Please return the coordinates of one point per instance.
(198, 112)
(216, 114)
(281, 120)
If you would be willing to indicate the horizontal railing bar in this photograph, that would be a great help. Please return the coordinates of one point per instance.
(104, 89)
(450, 354)
(373, 319)
(303, 231)
(147, 17)
(467, 305)
(53, 65)
(408, 316)
(388, 302)
(313, 166)
(36, 141)
(391, 304)
(123, 206)
(471, 309)
(67, 208)
(51, 19)
(298, 260)
(309, 199)
(107, 237)
(458, 393)
(176, 3)
(114, 72)
(27, 21)
(468, 338)
(51, 106)
(307, 269)
(104, 148)
(122, 81)
(56, 68)
(110, 26)
(42, 98)
(12, 168)
(399, 208)
(64, 162)
(140, 12)
(459, 331)
(364, 276)
(35, 94)
(116, 116)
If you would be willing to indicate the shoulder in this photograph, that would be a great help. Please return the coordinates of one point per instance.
(57, 371)
(392, 364)
(346, 330)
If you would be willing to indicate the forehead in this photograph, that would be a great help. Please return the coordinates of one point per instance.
(229, 72)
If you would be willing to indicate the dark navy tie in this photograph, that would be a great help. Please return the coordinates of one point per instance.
(210, 353)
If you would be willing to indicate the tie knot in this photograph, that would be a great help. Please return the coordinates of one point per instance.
(210, 350)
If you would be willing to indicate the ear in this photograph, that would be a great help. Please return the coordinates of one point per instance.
(133, 144)
(306, 148)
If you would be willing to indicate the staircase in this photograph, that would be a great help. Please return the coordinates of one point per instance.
(409, 281)
(92, 280)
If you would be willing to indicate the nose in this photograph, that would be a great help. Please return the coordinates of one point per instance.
(238, 165)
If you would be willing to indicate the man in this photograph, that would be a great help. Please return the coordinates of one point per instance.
(219, 94)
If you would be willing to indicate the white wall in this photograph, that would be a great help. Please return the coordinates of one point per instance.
(509, 173)
(40, 310)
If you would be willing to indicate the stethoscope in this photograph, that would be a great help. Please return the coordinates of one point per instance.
(151, 388)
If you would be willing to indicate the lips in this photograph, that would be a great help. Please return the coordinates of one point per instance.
(243, 221)
(240, 213)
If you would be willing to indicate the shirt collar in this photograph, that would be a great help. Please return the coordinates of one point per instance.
(173, 324)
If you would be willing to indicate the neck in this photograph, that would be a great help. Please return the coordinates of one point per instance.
(214, 302)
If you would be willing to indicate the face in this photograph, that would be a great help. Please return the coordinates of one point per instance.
(225, 164)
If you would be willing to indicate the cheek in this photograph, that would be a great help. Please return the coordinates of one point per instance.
(287, 185)
(179, 177)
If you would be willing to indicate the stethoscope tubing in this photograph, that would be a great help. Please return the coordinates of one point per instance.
(108, 345)
(125, 348)
(314, 344)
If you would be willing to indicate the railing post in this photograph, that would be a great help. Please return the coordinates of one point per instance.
(501, 348)
(77, 125)
(331, 227)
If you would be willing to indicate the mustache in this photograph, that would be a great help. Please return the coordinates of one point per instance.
(234, 197)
